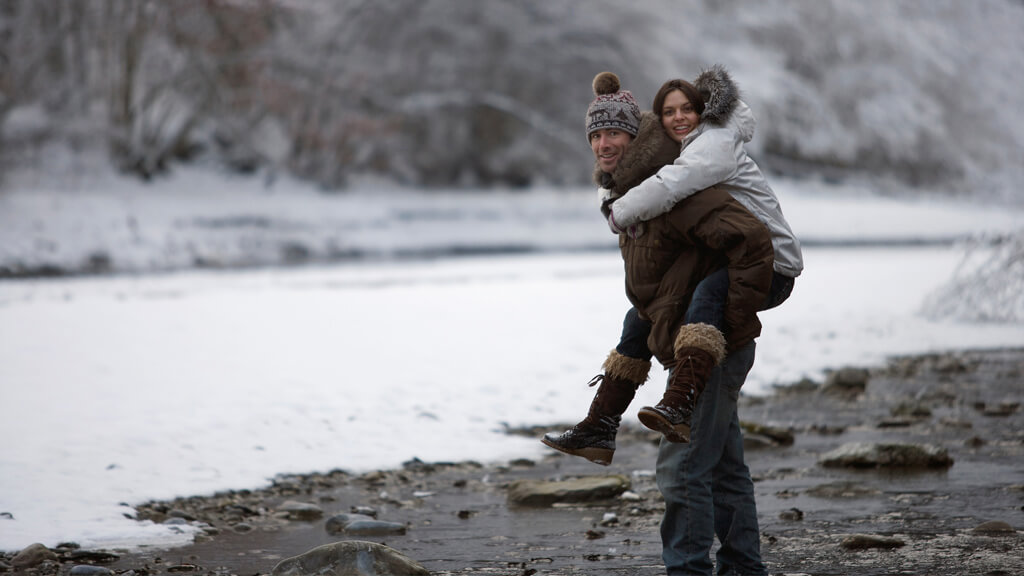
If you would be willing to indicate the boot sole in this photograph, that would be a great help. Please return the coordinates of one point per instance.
(602, 456)
(676, 433)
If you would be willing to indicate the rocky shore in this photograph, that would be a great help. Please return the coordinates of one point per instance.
(916, 467)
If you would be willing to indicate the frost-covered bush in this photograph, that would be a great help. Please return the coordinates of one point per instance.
(988, 286)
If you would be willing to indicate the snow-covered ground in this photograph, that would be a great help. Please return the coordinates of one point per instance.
(124, 388)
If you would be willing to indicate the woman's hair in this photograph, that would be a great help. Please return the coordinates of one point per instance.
(688, 90)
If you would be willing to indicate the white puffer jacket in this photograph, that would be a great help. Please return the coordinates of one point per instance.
(714, 155)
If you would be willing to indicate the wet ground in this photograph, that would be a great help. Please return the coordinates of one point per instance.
(459, 521)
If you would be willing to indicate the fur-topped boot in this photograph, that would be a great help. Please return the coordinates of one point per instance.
(594, 437)
(698, 349)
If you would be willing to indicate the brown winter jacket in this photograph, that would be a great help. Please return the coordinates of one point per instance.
(677, 250)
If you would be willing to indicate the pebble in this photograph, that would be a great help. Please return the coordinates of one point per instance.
(301, 510)
(994, 528)
(181, 514)
(86, 570)
(876, 455)
(792, 515)
(847, 381)
(587, 489)
(353, 558)
(336, 524)
(866, 541)
(374, 528)
(32, 555)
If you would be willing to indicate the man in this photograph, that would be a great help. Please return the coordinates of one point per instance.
(664, 261)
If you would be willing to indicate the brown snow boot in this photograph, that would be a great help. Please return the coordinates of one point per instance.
(698, 349)
(594, 437)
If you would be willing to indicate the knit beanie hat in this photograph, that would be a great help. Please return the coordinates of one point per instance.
(612, 107)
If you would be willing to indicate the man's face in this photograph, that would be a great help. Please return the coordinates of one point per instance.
(609, 144)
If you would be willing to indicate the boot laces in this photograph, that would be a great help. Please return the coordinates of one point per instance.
(684, 395)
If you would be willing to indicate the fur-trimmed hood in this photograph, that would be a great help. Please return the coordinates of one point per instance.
(649, 151)
(722, 105)
(720, 94)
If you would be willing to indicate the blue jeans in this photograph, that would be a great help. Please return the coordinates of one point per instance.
(707, 306)
(706, 484)
(710, 296)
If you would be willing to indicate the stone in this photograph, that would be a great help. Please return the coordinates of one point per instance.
(994, 528)
(866, 541)
(365, 511)
(757, 442)
(896, 423)
(870, 455)
(778, 436)
(847, 381)
(1003, 409)
(350, 558)
(374, 528)
(336, 524)
(587, 489)
(87, 570)
(92, 556)
(181, 514)
(950, 365)
(842, 490)
(911, 410)
(32, 555)
(804, 386)
(301, 510)
(792, 515)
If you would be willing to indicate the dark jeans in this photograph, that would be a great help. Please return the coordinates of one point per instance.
(707, 306)
(707, 486)
(706, 483)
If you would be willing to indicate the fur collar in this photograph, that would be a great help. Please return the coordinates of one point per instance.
(720, 94)
(650, 150)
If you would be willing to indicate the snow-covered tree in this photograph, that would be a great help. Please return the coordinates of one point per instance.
(456, 93)
(988, 285)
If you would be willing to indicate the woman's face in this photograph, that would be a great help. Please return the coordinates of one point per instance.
(678, 116)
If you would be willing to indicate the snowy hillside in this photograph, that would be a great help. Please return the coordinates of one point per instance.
(450, 94)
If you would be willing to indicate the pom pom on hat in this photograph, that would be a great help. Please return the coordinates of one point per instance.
(606, 83)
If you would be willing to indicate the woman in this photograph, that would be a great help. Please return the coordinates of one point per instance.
(705, 233)
(711, 124)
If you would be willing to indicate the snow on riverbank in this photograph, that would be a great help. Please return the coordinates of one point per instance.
(202, 219)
